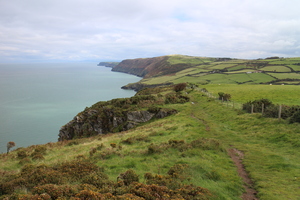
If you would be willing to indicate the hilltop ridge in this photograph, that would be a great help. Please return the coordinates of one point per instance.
(173, 69)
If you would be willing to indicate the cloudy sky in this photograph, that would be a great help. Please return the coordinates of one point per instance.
(104, 30)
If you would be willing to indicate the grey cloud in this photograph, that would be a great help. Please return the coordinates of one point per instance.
(100, 30)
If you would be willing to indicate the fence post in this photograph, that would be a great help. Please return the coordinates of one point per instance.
(262, 108)
(252, 108)
(279, 112)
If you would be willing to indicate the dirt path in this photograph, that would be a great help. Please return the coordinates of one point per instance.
(237, 157)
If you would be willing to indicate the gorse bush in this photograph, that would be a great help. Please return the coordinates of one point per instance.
(173, 98)
(128, 177)
(78, 168)
(22, 154)
(56, 191)
(179, 87)
(45, 182)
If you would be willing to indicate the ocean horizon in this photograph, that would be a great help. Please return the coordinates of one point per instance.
(37, 99)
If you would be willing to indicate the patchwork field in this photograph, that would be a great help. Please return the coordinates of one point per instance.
(232, 71)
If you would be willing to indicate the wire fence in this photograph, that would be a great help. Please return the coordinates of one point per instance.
(237, 105)
(228, 103)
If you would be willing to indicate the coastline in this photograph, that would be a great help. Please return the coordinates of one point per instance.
(51, 97)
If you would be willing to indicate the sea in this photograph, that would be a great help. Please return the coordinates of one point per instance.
(37, 99)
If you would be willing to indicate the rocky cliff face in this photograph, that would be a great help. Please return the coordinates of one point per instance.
(94, 122)
(117, 115)
(149, 67)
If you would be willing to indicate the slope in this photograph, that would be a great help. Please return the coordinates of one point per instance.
(191, 146)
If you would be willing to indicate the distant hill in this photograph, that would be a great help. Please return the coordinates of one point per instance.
(175, 69)
(108, 64)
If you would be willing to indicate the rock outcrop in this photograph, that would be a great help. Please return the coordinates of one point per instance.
(108, 120)
(108, 64)
(139, 86)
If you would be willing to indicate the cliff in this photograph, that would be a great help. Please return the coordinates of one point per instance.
(149, 67)
(121, 114)
(108, 64)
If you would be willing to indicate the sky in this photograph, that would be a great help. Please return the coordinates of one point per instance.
(113, 30)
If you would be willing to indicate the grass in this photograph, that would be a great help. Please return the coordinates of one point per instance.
(276, 69)
(271, 148)
(278, 94)
(210, 70)
(199, 135)
(286, 75)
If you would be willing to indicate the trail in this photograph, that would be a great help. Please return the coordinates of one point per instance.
(237, 157)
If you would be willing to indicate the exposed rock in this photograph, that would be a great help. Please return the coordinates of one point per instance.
(93, 122)
(139, 86)
(139, 116)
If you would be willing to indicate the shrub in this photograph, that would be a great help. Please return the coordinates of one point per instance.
(89, 194)
(34, 197)
(38, 156)
(74, 142)
(40, 175)
(286, 111)
(93, 151)
(10, 145)
(97, 179)
(172, 98)
(257, 105)
(78, 168)
(113, 145)
(129, 177)
(151, 192)
(179, 87)
(40, 149)
(24, 161)
(22, 154)
(295, 117)
(194, 192)
(224, 97)
(152, 148)
(177, 169)
(153, 109)
(56, 191)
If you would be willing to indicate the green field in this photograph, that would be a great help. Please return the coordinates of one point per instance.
(229, 72)
(286, 75)
(276, 68)
(278, 94)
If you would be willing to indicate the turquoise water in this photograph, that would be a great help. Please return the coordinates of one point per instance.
(37, 99)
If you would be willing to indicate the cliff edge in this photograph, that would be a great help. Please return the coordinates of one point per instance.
(122, 114)
(149, 67)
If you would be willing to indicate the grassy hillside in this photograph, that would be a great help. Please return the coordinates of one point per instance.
(204, 70)
(177, 151)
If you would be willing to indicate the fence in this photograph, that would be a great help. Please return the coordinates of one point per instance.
(236, 105)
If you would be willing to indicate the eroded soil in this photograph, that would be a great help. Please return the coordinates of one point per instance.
(237, 157)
